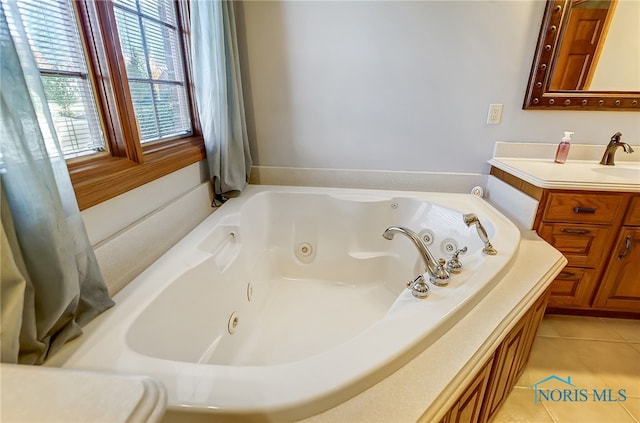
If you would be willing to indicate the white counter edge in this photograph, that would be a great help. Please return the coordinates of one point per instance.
(566, 185)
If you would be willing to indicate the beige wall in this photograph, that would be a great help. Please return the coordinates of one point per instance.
(395, 85)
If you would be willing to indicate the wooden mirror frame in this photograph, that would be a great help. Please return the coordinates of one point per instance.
(540, 97)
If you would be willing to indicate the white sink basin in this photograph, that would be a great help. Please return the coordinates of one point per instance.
(624, 171)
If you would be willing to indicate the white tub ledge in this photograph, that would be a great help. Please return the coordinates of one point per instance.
(42, 394)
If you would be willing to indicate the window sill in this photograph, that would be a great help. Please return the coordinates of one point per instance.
(100, 179)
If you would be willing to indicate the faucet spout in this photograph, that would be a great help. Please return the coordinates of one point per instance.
(610, 150)
(437, 273)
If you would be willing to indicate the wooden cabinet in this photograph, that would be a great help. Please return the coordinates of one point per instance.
(592, 230)
(490, 387)
(468, 407)
(511, 358)
(573, 287)
(633, 215)
(534, 318)
(504, 373)
(582, 245)
(582, 226)
(620, 288)
(583, 207)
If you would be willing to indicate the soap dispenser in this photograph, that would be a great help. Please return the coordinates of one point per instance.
(563, 148)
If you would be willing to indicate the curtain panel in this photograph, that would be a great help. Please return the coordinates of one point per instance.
(51, 283)
(218, 88)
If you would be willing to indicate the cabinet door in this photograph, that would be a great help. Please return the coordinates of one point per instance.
(620, 288)
(467, 408)
(573, 287)
(582, 245)
(505, 369)
(581, 207)
(534, 317)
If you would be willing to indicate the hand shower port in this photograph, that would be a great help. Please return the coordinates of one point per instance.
(471, 219)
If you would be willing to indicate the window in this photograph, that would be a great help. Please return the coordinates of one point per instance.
(150, 45)
(57, 50)
(116, 75)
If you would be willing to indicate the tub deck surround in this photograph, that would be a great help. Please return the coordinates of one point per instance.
(37, 394)
(534, 163)
(329, 314)
(426, 387)
(447, 182)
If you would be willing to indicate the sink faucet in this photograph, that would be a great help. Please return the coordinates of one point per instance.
(610, 151)
(438, 275)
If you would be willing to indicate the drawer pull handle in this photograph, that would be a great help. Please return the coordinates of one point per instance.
(566, 274)
(627, 248)
(584, 210)
(575, 231)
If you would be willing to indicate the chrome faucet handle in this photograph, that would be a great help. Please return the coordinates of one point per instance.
(418, 287)
(440, 276)
(454, 265)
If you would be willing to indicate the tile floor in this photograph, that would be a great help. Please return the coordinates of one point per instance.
(597, 354)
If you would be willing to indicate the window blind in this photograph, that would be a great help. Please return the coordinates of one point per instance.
(52, 31)
(150, 43)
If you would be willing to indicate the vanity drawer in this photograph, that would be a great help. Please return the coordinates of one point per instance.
(633, 214)
(573, 287)
(582, 245)
(583, 208)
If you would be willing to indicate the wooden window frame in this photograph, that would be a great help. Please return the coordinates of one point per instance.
(129, 164)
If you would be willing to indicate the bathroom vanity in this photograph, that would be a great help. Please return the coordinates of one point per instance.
(591, 213)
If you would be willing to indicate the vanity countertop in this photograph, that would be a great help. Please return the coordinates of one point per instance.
(534, 163)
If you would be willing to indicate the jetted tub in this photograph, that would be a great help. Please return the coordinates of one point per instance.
(288, 301)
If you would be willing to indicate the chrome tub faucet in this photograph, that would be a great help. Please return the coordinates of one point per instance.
(438, 275)
(610, 150)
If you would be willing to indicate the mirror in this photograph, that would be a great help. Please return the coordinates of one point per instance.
(570, 74)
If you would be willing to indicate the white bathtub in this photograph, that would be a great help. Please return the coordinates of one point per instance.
(288, 301)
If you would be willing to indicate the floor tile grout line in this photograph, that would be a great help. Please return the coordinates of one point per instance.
(616, 331)
(623, 340)
(553, 419)
(573, 320)
(626, 410)
(629, 413)
(619, 341)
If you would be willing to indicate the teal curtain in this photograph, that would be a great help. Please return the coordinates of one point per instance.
(51, 283)
(218, 88)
